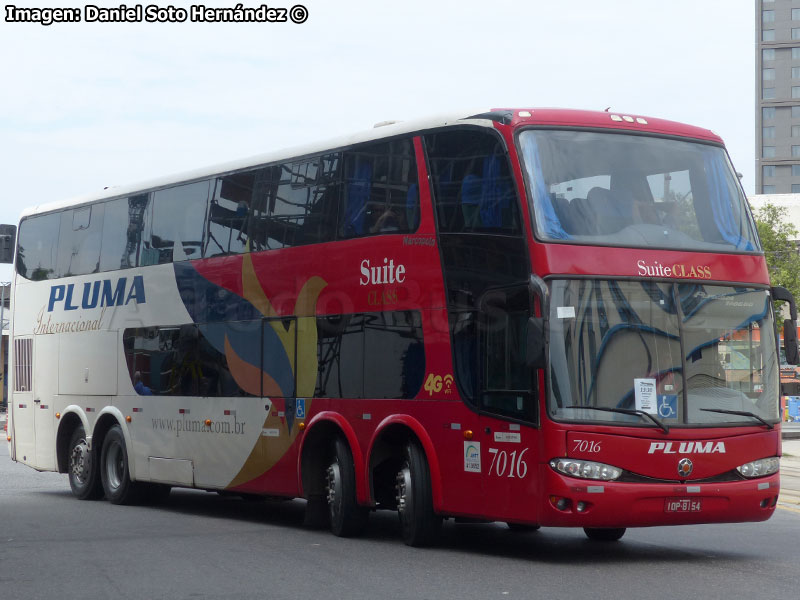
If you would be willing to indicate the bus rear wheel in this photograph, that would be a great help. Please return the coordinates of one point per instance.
(604, 535)
(420, 525)
(115, 470)
(347, 518)
(84, 480)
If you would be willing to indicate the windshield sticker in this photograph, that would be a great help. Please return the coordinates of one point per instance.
(565, 312)
(667, 405)
(645, 390)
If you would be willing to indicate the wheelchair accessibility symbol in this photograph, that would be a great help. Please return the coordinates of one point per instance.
(300, 408)
(667, 405)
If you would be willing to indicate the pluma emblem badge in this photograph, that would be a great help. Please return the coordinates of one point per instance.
(685, 467)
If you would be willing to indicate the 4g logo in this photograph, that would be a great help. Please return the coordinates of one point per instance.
(435, 383)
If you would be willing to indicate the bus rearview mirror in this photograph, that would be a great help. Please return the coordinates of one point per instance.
(790, 342)
(789, 329)
(535, 354)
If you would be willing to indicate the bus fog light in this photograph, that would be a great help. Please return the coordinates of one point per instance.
(760, 468)
(581, 507)
(560, 503)
(585, 469)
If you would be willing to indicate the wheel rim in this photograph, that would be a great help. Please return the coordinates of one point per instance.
(79, 461)
(403, 488)
(115, 466)
(334, 478)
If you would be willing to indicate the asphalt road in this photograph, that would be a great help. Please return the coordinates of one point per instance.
(202, 546)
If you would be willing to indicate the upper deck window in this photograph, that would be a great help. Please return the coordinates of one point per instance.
(472, 184)
(367, 190)
(635, 191)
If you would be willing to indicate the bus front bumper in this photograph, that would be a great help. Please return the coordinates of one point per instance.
(570, 502)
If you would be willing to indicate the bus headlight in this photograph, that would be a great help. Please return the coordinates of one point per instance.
(760, 468)
(585, 469)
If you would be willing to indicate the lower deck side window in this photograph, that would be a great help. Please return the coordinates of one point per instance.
(366, 355)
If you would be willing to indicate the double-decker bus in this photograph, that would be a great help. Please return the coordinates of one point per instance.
(539, 317)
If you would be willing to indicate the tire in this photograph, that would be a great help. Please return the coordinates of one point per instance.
(347, 518)
(115, 470)
(522, 528)
(84, 478)
(420, 525)
(604, 535)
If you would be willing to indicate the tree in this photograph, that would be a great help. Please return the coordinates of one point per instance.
(778, 239)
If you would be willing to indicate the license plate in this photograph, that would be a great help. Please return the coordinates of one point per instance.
(672, 505)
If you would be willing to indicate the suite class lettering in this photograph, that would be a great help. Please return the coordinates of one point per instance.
(97, 293)
(386, 273)
(677, 270)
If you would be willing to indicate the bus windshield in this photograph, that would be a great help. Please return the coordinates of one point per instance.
(687, 354)
(635, 191)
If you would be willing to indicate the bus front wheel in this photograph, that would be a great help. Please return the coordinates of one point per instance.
(420, 525)
(84, 480)
(115, 471)
(604, 535)
(347, 518)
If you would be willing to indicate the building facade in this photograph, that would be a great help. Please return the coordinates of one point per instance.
(777, 96)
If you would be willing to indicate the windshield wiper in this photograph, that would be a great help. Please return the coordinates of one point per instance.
(741, 413)
(627, 411)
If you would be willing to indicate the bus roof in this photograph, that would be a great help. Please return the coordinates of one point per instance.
(482, 117)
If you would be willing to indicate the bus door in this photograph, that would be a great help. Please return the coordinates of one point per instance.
(45, 389)
(508, 405)
(35, 387)
(21, 403)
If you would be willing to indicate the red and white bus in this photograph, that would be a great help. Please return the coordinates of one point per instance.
(540, 317)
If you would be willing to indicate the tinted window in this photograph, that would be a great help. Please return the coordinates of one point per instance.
(38, 247)
(341, 356)
(506, 381)
(272, 207)
(175, 216)
(381, 193)
(637, 191)
(306, 203)
(240, 205)
(79, 240)
(178, 361)
(472, 183)
(394, 357)
(123, 225)
(375, 355)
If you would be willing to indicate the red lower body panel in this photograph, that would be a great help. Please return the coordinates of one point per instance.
(569, 502)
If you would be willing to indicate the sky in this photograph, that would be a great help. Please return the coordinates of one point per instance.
(89, 105)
